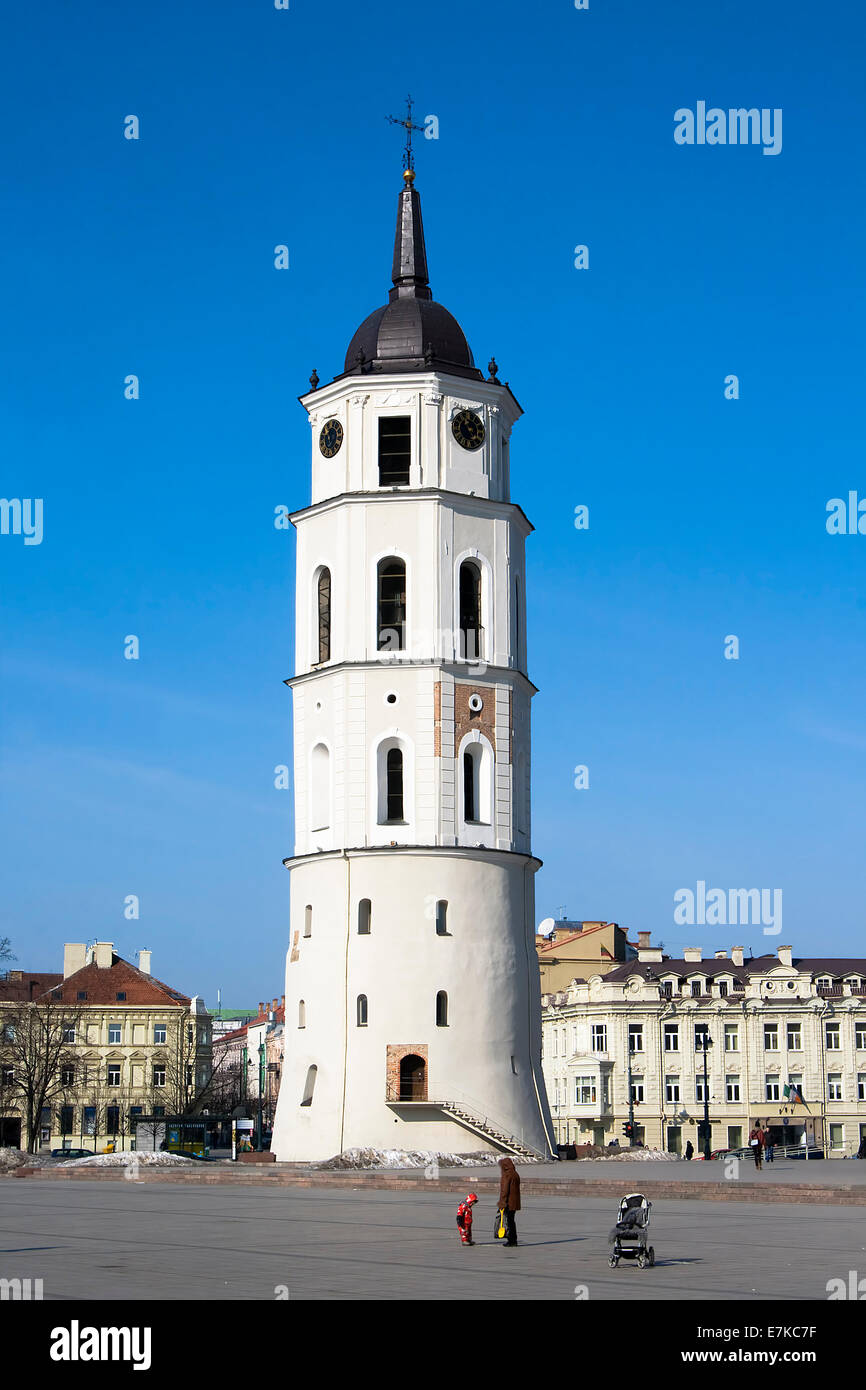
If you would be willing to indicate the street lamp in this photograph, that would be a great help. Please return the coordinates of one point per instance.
(261, 1090)
(703, 1042)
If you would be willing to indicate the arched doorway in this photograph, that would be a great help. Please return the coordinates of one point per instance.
(413, 1077)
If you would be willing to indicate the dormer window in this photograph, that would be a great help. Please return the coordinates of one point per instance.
(395, 448)
(697, 989)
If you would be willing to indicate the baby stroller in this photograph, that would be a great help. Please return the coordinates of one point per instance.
(629, 1235)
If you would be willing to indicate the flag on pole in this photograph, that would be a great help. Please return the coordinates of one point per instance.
(793, 1094)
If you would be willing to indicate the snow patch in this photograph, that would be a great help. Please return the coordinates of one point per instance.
(405, 1158)
(126, 1160)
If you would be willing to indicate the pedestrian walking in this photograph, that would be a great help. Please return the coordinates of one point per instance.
(861, 1152)
(464, 1219)
(769, 1146)
(509, 1199)
(756, 1143)
(690, 1150)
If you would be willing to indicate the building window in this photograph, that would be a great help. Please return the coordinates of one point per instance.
(471, 632)
(723, 989)
(637, 1090)
(861, 1085)
(159, 1077)
(771, 1088)
(697, 989)
(477, 769)
(323, 611)
(159, 1032)
(82, 994)
(442, 917)
(362, 1011)
(699, 1089)
(771, 1037)
(672, 1089)
(67, 1076)
(308, 920)
(391, 605)
(302, 1014)
(67, 1119)
(860, 1036)
(69, 1033)
(120, 997)
(667, 989)
(309, 1086)
(395, 450)
(441, 1009)
(114, 1030)
(823, 982)
(833, 1037)
(732, 1088)
(584, 1090)
(795, 1040)
(112, 1119)
(554, 1052)
(320, 787)
(732, 1037)
(394, 786)
(635, 1037)
(834, 1085)
(599, 1037)
(672, 1037)
(7, 1075)
(702, 1036)
(114, 1074)
(837, 1136)
(365, 910)
(470, 801)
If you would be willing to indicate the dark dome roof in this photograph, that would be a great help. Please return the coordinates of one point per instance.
(398, 335)
(411, 333)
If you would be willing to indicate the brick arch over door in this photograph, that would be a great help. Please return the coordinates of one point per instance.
(395, 1055)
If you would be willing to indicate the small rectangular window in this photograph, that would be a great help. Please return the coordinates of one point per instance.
(159, 1032)
(395, 447)
(114, 1032)
(121, 996)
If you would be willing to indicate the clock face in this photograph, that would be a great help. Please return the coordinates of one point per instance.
(331, 438)
(468, 429)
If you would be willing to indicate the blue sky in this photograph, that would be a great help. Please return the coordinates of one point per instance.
(707, 516)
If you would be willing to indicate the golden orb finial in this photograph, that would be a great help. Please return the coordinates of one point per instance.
(409, 177)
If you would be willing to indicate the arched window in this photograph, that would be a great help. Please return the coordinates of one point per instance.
(323, 609)
(302, 1014)
(391, 605)
(362, 1011)
(442, 918)
(308, 920)
(309, 1086)
(476, 765)
(441, 1009)
(471, 631)
(320, 788)
(364, 915)
(394, 790)
(470, 790)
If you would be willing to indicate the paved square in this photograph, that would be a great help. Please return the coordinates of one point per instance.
(110, 1240)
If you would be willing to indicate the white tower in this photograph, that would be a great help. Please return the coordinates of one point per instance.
(413, 1011)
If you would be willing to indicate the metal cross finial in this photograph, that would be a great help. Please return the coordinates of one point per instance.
(408, 125)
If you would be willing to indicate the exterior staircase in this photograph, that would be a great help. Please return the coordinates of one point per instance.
(488, 1130)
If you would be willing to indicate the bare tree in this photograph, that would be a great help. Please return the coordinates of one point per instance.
(36, 1042)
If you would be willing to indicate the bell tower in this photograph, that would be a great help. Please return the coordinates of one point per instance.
(413, 1011)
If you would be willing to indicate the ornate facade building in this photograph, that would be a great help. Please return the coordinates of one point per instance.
(786, 1046)
(412, 990)
(131, 1045)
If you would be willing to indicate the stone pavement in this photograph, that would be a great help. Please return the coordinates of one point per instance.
(125, 1240)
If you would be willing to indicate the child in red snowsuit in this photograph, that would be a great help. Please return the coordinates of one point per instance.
(464, 1219)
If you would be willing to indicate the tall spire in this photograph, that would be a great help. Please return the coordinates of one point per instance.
(409, 271)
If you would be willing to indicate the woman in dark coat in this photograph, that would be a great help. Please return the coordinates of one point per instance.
(509, 1198)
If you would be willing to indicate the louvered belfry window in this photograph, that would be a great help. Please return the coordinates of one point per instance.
(395, 448)
(391, 617)
(324, 607)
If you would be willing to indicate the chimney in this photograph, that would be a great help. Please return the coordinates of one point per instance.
(737, 955)
(102, 953)
(692, 953)
(643, 938)
(785, 955)
(720, 955)
(261, 1006)
(74, 958)
(144, 962)
(273, 1005)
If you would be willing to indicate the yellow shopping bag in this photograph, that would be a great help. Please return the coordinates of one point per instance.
(501, 1232)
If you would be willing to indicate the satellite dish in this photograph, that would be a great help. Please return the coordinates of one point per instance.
(546, 927)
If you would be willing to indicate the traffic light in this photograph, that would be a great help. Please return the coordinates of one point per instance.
(628, 1130)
